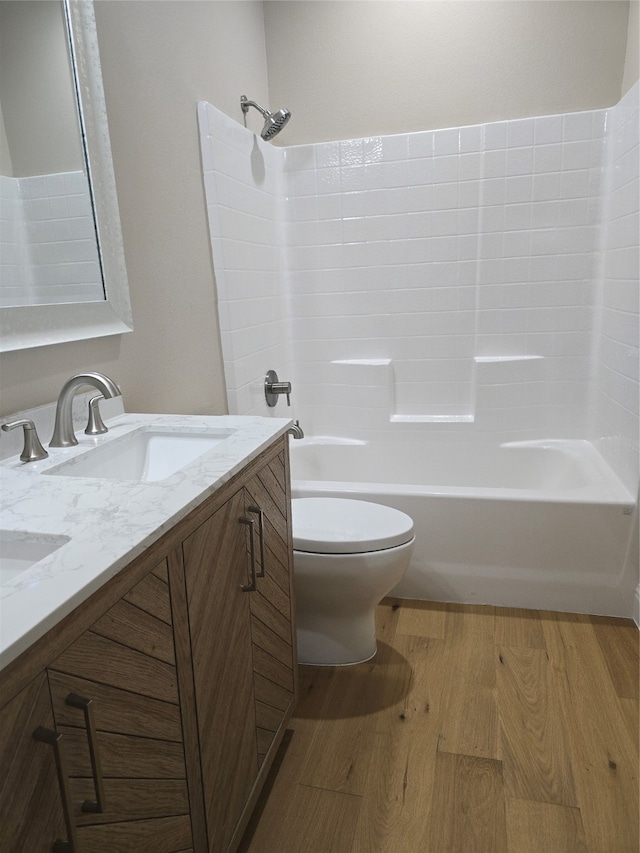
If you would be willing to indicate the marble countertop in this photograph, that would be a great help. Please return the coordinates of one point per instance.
(108, 522)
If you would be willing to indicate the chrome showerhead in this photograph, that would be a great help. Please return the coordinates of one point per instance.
(274, 122)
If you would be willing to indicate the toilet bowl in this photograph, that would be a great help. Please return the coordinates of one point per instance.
(348, 555)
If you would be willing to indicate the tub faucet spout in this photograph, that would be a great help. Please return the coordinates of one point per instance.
(63, 434)
(296, 430)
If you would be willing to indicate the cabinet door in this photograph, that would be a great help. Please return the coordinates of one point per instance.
(31, 809)
(272, 621)
(115, 701)
(216, 568)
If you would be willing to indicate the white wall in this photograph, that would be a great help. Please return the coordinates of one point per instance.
(357, 69)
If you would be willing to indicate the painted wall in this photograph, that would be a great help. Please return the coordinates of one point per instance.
(355, 69)
(160, 58)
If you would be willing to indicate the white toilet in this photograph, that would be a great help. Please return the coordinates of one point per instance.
(348, 555)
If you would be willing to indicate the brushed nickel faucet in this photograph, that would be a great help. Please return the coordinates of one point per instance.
(63, 434)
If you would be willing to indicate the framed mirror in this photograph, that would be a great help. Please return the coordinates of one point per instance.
(62, 265)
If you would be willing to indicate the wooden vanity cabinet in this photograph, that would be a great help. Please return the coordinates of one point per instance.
(158, 721)
(237, 573)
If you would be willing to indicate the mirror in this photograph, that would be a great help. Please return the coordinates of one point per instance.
(63, 271)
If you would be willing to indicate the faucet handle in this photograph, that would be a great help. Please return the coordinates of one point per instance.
(95, 425)
(272, 388)
(33, 449)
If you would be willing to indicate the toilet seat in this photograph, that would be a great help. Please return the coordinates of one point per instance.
(342, 526)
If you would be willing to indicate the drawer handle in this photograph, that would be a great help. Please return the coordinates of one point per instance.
(250, 587)
(86, 706)
(260, 515)
(54, 739)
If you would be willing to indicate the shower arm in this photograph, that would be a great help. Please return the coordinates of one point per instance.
(245, 103)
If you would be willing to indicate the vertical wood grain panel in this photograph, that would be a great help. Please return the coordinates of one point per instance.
(31, 816)
(215, 568)
(184, 671)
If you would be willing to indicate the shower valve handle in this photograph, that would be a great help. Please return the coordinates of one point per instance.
(273, 388)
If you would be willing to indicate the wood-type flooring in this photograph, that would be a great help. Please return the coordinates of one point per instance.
(475, 729)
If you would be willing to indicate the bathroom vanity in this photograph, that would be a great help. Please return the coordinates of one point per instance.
(145, 716)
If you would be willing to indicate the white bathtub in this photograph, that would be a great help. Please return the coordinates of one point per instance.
(543, 524)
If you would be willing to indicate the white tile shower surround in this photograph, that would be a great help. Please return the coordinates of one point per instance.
(441, 281)
(615, 404)
(48, 245)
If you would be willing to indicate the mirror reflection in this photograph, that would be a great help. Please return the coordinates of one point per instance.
(49, 246)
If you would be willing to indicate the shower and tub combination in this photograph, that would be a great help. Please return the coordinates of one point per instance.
(540, 524)
(460, 350)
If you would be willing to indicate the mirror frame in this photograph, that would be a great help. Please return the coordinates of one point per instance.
(40, 325)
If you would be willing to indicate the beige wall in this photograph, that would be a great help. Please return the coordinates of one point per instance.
(159, 59)
(351, 69)
(345, 69)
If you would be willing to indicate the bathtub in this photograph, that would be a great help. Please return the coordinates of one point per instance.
(536, 524)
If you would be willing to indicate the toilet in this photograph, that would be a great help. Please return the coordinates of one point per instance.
(348, 554)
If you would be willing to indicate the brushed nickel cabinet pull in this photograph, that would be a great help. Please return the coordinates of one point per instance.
(86, 706)
(250, 587)
(54, 739)
(260, 515)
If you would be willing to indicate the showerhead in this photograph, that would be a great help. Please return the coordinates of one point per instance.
(274, 122)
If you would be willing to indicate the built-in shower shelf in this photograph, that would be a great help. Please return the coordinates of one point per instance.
(500, 359)
(432, 419)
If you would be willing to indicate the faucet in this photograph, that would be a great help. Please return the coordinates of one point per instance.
(63, 434)
(296, 430)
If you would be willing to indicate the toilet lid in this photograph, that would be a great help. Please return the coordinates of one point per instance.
(340, 526)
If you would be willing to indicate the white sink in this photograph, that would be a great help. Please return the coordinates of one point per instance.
(147, 455)
(20, 551)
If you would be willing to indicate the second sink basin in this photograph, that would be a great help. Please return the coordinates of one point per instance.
(20, 551)
(146, 455)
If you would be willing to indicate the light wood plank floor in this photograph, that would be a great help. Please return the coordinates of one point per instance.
(474, 729)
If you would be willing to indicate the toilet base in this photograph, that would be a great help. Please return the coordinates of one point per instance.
(336, 600)
(337, 644)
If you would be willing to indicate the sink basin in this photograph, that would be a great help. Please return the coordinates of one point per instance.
(20, 551)
(146, 455)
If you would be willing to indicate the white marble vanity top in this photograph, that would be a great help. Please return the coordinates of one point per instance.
(108, 522)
